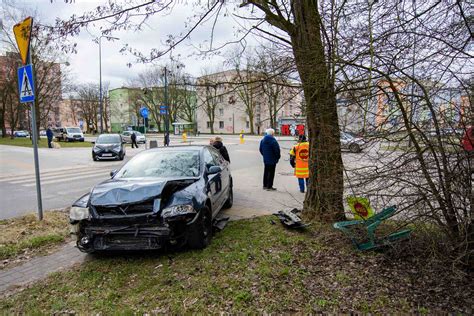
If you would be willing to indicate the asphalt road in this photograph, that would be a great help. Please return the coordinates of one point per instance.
(68, 173)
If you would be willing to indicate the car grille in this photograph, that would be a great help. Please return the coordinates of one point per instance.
(124, 210)
(77, 136)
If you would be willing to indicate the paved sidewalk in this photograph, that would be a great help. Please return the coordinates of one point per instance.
(39, 268)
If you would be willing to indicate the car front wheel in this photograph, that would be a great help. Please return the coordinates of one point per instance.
(230, 199)
(200, 232)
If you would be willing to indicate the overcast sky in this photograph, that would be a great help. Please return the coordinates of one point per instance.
(84, 66)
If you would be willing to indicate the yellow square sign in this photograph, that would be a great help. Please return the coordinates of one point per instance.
(22, 33)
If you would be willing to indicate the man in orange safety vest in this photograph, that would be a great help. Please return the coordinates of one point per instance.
(299, 157)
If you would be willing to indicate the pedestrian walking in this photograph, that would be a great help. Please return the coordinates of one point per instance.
(219, 145)
(270, 150)
(49, 135)
(299, 157)
(134, 140)
(166, 141)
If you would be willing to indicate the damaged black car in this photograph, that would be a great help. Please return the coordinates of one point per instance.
(162, 197)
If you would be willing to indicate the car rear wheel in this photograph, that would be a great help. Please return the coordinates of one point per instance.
(200, 232)
(354, 148)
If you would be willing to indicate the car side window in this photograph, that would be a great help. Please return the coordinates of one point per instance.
(217, 156)
(208, 159)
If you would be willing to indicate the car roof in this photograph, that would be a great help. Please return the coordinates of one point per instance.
(109, 134)
(181, 148)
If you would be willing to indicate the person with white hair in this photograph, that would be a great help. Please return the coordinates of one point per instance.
(270, 150)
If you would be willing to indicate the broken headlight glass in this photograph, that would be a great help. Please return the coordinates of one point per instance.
(177, 210)
(78, 213)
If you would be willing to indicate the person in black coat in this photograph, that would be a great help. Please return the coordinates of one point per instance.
(134, 140)
(166, 141)
(270, 151)
(217, 143)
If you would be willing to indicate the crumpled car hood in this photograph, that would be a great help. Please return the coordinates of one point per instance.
(116, 192)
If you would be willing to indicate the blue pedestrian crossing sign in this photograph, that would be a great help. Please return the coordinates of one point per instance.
(26, 86)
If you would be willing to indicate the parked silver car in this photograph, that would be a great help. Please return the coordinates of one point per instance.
(126, 136)
(354, 144)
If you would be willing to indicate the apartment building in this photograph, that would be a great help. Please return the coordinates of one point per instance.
(238, 103)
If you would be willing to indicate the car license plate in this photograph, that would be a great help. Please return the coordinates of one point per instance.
(107, 155)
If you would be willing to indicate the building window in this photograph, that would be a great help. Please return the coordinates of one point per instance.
(221, 124)
(220, 98)
(221, 111)
(247, 124)
(208, 124)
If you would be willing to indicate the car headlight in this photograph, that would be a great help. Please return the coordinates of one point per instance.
(116, 148)
(78, 213)
(97, 149)
(177, 210)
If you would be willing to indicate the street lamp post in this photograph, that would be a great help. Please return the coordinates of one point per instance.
(100, 81)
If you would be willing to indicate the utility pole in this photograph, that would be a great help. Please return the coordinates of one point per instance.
(100, 86)
(167, 130)
(101, 113)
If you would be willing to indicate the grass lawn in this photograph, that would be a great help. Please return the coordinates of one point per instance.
(43, 143)
(253, 266)
(25, 237)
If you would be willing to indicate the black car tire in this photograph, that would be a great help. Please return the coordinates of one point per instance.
(230, 199)
(121, 156)
(200, 232)
(354, 148)
(94, 157)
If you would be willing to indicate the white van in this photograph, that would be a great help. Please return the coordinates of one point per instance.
(68, 134)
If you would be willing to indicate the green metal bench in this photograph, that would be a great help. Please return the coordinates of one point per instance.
(368, 227)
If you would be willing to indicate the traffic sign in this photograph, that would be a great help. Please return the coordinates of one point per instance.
(26, 86)
(144, 112)
(163, 107)
(163, 112)
(22, 33)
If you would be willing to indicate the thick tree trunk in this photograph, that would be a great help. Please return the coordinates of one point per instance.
(325, 191)
(251, 119)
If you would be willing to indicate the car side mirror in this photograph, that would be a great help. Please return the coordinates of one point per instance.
(214, 170)
(113, 173)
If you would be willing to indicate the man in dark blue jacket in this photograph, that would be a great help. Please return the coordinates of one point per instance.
(49, 135)
(270, 151)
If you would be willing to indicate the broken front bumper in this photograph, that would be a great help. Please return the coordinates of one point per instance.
(92, 237)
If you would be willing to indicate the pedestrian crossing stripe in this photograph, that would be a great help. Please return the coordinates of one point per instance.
(26, 86)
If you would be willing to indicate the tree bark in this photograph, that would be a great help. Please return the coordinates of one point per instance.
(325, 191)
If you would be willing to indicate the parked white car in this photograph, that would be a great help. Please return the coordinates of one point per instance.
(126, 136)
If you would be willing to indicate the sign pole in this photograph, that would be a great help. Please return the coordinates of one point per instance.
(26, 88)
(35, 152)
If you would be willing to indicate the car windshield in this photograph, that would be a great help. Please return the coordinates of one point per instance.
(162, 164)
(74, 130)
(108, 139)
